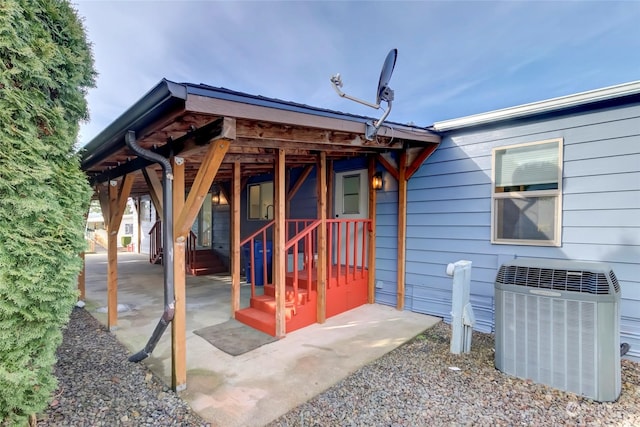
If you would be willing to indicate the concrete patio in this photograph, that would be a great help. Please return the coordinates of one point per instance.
(256, 387)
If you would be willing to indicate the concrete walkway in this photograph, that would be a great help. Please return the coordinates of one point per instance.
(257, 387)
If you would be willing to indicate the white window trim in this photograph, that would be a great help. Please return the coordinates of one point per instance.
(557, 242)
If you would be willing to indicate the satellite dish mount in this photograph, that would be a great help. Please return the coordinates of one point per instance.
(384, 93)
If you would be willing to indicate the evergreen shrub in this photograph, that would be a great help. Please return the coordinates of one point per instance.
(46, 67)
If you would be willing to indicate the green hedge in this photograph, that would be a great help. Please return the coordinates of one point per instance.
(46, 67)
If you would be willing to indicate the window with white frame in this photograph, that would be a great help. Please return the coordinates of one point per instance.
(527, 194)
(260, 201)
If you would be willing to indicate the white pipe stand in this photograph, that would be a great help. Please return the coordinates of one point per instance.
(462, 317)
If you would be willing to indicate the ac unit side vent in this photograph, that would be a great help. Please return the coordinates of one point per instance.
(614, 280)
(557, 279)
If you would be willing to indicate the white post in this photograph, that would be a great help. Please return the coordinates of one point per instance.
(462, 318)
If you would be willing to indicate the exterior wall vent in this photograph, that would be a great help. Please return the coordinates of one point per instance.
(558, 323)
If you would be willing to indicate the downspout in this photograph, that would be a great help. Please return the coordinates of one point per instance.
(167, 244)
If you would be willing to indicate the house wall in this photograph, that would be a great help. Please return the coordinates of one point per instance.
(449, 205)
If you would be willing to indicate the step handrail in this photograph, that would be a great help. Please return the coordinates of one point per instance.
(307, 233)
(155, 241)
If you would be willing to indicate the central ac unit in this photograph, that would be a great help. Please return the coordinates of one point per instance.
(558, 323)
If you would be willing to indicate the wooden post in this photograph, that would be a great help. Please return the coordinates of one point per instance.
(235, 239)
(279, 258)
(330, 188)
(139, 233)
(185, 212)
(112, 259)
(321, 168)
(402, 228)
(371, 254)
(178, 325)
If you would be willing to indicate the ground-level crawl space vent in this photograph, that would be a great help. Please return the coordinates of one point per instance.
(558, 323)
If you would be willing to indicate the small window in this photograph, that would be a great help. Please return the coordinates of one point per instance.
(351, 194)
(128, 229)
(527, 194)
(260, 203)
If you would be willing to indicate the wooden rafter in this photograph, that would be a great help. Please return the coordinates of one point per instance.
(155, 189)
(388, 166)
(207, 172)
(419, 160)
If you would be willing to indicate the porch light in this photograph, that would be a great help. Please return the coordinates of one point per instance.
(376, 181)
(215, 198)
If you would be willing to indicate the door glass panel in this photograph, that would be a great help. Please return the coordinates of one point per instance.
(351, 194)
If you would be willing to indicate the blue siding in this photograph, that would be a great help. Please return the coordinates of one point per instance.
(450, 204)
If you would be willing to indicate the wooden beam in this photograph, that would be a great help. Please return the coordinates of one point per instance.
(330, 181)
(279, 258)
(371, 254)
(417, 162)
(296, 186)
(178, 324)
(235, 238)
(123, 196)
(402, 229)
(221, 107)
(207, 172)
(388, 166)
(103, 198)
(301, 179)
(155, 188)
(321, 311)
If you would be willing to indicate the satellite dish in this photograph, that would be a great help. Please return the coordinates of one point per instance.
(384, 93)
(385, 76)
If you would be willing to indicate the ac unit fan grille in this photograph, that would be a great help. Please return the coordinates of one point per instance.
(560, 280)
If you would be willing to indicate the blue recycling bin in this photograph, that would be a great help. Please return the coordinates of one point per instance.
(257, 253)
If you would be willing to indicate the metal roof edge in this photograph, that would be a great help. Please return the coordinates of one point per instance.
(541, 107)
(268, 102)
(113, 135)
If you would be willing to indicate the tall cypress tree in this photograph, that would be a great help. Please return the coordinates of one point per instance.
(46, 67)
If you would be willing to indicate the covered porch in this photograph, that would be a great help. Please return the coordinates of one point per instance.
(180, 140)
(256, 387)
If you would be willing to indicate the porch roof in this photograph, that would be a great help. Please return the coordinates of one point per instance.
(181, 118)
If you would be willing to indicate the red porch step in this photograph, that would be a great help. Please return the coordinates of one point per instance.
(261, 312)
(257, 319)
(206, 262)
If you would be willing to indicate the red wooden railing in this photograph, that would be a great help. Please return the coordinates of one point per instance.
(155, 241)
(190, 250)
(308, 236)
(260, 235)
(344, 238)
(155, 245)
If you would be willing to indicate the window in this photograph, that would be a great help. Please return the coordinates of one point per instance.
(527, 194)
(260, 203)
(351, 194)
(128, 229)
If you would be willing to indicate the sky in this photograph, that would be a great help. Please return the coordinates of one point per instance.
(455, 58)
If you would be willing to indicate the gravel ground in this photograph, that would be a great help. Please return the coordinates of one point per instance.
(411, 386)
(414, 386)
(98, 386)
